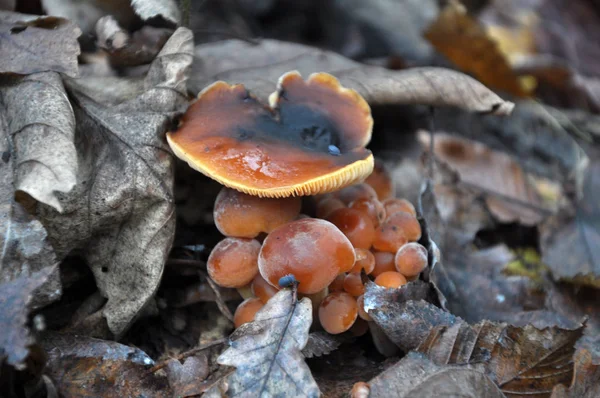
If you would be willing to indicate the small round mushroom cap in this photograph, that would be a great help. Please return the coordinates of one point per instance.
(246, 311)
(233, 262)
(411, 259)
(310, 140)
(391, 279)
(338, 312)
(245, 216)
(263, 289)
(312, 250)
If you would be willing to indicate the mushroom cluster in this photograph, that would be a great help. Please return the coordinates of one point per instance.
(309, 142)
(352, 235)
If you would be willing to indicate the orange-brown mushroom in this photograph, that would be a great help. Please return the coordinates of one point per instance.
(355, 224)
(246, 311)
(390, 279)
(381, 181)
(310, 140)
(244, 216)
(233, 262)
(338, 312)
(314, 251)
(411, 259)
(384, 261)
(353, 284)
(263, 289)
(364, 260)
(398, 229)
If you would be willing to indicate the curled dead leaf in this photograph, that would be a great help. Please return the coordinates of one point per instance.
(121, 212)
(265, 62)
(40, 125)
(267, 352)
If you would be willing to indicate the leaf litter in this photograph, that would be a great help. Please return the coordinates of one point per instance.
(88, 180)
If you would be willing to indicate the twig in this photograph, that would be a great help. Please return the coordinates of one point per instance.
(189, 353)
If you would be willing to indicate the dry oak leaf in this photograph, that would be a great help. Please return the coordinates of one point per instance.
(520, 360)
(33, 43)
(121, 212)
(417, 376)
(86, 367)
(265, 62)
(465, 42)
(15, 297)
(267, 352)
(571, 243)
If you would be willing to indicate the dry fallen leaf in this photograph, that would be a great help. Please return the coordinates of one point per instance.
(416, 376)
(25, 248)
(121, 212)
(404, 314)
(322, 343)
(586, 378)
(83, 366)
(510, 193)
(186, 379)
(15, 297)
(267, 352)
(40, 125)
(33, 43)
(521, 360)
(569, 243)
(265, 62)
(466, 43)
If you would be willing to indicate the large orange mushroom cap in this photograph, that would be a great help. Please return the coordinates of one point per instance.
(310, 140)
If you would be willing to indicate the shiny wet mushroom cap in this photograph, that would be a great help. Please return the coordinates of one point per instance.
(310, 140)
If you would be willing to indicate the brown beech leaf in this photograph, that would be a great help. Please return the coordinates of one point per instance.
(465, 42)
(186, 379)
(15, 297)
(83, 367)
(33, 43)
(40, 126)
(586, 378)
(571, 243)
(267, 352)
(417, 376)
(521, 360)
(266, 62)
(510, 193)
(121, 212)
(321, 343)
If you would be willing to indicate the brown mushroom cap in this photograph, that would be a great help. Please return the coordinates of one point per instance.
(284, 150)
(245, 216)
(314, 251)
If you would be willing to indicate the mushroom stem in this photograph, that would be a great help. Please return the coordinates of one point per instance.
(245, 292)
(384, 345)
